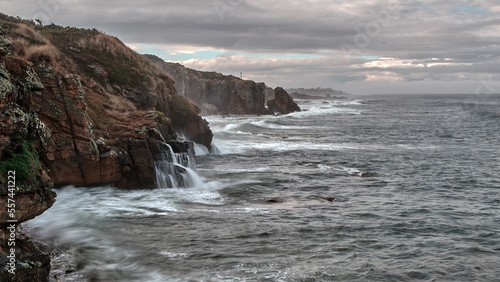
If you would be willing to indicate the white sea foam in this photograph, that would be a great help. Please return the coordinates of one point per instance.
(200, 150)
(348, 170)
(172, 255)
(244, 170)
(270, 125)
(324, 110)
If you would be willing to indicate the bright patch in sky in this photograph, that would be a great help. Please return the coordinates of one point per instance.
(173, 54)
(471, 9)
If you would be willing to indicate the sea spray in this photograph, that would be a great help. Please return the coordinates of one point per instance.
(176, 170)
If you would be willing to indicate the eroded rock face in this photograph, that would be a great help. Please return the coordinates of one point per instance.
(216, 92)
(19, 127)
(282, 103)
(29, 186)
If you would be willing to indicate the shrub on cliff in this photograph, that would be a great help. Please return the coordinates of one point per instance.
(21, 158)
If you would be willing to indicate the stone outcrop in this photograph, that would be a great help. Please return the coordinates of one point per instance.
(29, 187)
(282, 102)
(32, 261)
(215, 92)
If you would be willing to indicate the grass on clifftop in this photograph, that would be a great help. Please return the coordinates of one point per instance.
(97, 55)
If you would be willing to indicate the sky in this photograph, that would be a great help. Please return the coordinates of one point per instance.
(360, 47)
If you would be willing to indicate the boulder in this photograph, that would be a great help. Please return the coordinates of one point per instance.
(282, 103)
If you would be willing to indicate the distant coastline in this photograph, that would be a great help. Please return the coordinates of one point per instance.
(316, 93)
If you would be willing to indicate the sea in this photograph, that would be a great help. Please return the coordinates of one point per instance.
(365, 188)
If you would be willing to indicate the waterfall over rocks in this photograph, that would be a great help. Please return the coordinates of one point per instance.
(175, 166)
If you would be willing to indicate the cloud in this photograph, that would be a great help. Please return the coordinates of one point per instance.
(303, 42)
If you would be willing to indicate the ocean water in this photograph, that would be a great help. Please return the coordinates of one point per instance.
(370, 188)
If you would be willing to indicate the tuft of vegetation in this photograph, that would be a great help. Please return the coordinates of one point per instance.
(23, 159)
(89, 48)
(181, 104)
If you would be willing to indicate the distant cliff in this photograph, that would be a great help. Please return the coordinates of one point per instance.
(215, 92)
(303, 93)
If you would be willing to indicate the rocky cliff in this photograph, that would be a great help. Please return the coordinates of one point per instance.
(215, 92)
(100, 107)
(77, 107)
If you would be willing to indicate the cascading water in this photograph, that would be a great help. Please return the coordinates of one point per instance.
(176, 170)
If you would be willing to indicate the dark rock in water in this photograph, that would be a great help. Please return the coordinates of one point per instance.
(274, 200)
(329, 199)
(282, 102)
(368, 174)
(32, 262)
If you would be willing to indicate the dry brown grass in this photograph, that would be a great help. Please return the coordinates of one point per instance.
(30, 45)
(105, 43)
(19, 46)
(29, 33)
(47, 52)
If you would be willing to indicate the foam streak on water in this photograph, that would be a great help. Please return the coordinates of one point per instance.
(381, 188)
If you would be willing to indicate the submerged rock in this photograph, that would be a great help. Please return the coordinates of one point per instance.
(274, 200)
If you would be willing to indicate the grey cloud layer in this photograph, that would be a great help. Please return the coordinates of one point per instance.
(465, 32)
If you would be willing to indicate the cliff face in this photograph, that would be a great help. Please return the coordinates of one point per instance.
(103, 107)
(214, 92)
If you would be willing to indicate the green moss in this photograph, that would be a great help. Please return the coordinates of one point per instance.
(23, 159)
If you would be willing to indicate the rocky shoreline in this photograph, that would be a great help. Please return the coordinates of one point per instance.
(78, 107)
